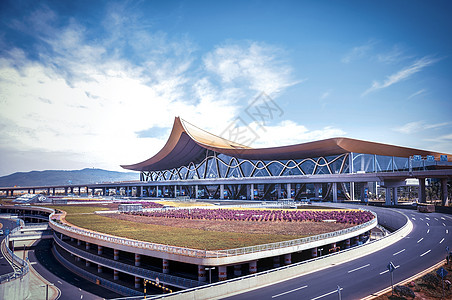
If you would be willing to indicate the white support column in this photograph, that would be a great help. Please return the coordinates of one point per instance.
(157, 191)
(395, 196)
(99, 269)
(87, 263)
(444, 192)
(276, 262)
(289, 190)
(221, 191)
(196, 191)
(252, 191)
(165, 266)
(137, 260)
(87, 246)
(137, 282)
(175, 191)
(314, 252)
(238, 270)
(388, 196)
(222, 273)
(253, 267)
(115, 274)
(115, 254)
(201, 273)
(99, 250)
(316, 190)
(287, 259)
(334, 192)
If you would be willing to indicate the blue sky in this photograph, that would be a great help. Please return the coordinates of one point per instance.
(98, 83)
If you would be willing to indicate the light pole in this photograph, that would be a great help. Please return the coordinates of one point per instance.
(47, 289)
(210, 273)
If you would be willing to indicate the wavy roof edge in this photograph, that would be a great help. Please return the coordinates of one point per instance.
(187, 143)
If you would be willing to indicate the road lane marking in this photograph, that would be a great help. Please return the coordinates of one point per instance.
(327, 294)
(436, 219)
(442, 218)
(427, 218)
(444, 224)
(398, 252)
(428, 230)
(421, 219)
(381, 273)
(420, 240)
(362, 267)
(300, 288)
(447, 231)
(414, 219)
(441, 241)
(428, 224)
(425, 253)
(60, 282)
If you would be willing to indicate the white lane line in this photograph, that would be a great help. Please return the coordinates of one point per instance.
(447, 231)
(442, 218)
(324, 295)
(81, 296)
(436, 219)
(420, 240)
(398, 252)
(425, 253)
(428, 230)
(414, 219)
(59, 282)
(412, 215)
(300, 288)
(441, 241)
(427, 218)
(362, 267)
(444, 224)
(428, 224)
(381, 273)
(421, 219)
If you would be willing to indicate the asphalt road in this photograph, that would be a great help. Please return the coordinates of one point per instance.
(422, 248)
(72, 287)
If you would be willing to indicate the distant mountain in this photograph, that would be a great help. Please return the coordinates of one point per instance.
(59, 177)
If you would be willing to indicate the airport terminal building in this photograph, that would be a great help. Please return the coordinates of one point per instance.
(199, 164)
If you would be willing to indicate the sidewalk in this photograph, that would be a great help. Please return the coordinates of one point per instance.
(38, 284)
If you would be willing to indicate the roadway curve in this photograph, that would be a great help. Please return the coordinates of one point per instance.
(421, 249)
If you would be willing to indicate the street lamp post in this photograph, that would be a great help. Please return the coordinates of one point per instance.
(47, 289)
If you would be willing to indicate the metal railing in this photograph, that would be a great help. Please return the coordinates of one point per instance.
(126, 268)
(207, 253)
(20, 266)
(123, 290)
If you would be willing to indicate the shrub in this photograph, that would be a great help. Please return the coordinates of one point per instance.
(404, 291)
(431, 280)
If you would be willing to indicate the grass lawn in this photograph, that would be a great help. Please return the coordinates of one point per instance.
(196, 238)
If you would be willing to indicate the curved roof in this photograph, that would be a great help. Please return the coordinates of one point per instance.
(187, 143)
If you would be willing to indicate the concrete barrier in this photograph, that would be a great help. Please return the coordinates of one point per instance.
(251, 282)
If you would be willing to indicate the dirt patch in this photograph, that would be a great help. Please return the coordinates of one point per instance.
(255, 227)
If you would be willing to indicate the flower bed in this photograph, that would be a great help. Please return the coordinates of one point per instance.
(145, 204)
(350, 217)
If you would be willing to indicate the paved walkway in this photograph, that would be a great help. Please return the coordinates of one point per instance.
(38, 284)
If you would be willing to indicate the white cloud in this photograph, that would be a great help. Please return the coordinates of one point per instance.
(358, 52)
(403, 74)
(422, 91)
(414, 127)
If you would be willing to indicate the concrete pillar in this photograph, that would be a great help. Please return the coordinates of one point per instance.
(196, 191)
(77, 258)
(141, 191)
(99, 269)
(175, 191)
(137, 260)
(395, 196)
(252, 191)
(253, 267)
(289, 191)
(314, 252)
(238, 270)
(79, 242)
(221, 191)
(347, 243)
(137, 282)
(72, 239)
(287, 259)
(201, 273)
(87, 263)
(316, 189)
(421, 194)
(334, 192)
(444, 192)
(222, 273)
(279, 192)
(388, 196)
(87, 246)
(276, 262)
(99, 250)
(352, 191)
(115, 274)
(157, 191)
(115, 254)
(165, 266)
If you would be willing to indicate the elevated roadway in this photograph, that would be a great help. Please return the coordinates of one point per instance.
(422, 248)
